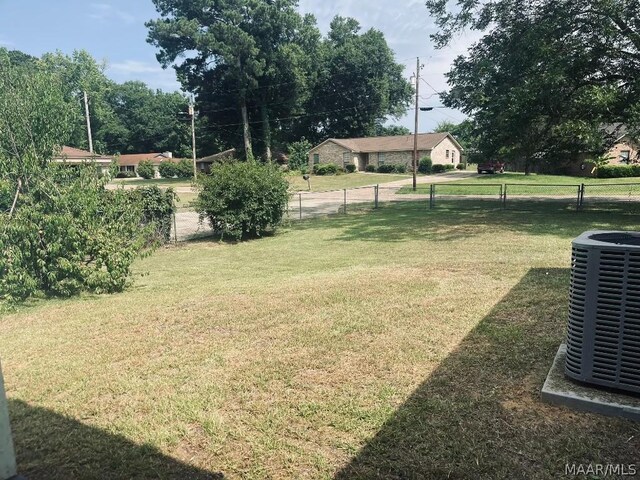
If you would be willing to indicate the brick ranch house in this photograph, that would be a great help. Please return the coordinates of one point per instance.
(625, 151)
(76, 156)
(129, 163)
(443, 148)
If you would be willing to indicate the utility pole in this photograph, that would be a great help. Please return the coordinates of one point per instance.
(86, 113)
(415, 135)
(192, 113)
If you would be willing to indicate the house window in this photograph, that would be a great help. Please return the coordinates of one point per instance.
(316, 158)
(625, 155)
(346, 159)
(453, 156)
(382, 157)
(447, 154)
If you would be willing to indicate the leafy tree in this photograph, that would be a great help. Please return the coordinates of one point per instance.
(146, 170)
(359, 84)
(243, 199)
(168, 169)
(299, 154)
(546, 75)
(64, 232)
(184, 168)
(36, 119)
(81, 73)
(391, 130)
(145, 120)
(248, 55)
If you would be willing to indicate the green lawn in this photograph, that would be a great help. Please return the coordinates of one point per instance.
(520, 184)
(401, 343)
(338, 182)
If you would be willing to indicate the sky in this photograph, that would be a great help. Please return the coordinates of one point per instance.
(114, 31)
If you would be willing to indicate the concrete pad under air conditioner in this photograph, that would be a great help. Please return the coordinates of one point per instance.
(559, 390)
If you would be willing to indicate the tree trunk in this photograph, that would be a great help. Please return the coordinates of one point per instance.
(266, 128)
(248, 150)
(527, 166)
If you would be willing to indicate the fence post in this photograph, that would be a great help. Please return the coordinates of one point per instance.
(504, 197)
(376, 193)
(579, 195)
(584, 187)
(345, 200)
(432, 195)
(300, 204)
(501, 191)
(175, 229)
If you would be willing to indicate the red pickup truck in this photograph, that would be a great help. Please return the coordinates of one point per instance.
(491, 167)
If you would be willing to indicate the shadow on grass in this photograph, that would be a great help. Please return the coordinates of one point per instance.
(479, 414)
(51, 446)
(401, 221)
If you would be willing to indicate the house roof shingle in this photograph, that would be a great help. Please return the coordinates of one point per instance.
(73, 155)
(135, 158)
(231, 153)
(399, 143)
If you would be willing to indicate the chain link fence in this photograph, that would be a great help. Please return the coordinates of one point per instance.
(516, 196)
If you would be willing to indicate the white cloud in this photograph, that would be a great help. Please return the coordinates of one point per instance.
(135, 67)
(105, 12)
(150, 73)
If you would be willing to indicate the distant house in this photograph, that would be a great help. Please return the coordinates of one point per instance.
(625, 151)
(442, 147)
(204, 164)
(129, 163)
(75, 156)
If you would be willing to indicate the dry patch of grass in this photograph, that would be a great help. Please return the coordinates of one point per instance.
(337, 182)
(394, 344)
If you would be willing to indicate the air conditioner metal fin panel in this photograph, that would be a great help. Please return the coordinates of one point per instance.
(603, 333)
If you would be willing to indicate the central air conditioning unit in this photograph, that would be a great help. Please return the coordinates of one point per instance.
(603, 337)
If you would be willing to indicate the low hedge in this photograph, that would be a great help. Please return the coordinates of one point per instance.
(439, 168)
(350, 168)
(619, 171)
(425, 165)
(370, 168)
(392, 168)
(325, 169)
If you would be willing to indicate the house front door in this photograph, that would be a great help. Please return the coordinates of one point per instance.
(364, 161)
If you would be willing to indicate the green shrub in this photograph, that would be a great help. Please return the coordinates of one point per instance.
(184, 168)
(370, 168)
(157, 207)
(350, 168)
(167, 169)
(425, 164)
(146, 170)
(619, 171)
(449, 167)
(461, 166)
(438, 168)
(299, 154)
(126, 175)
(75, 237)
(400, 168)
(386, 168)
(243, 200)
(325, 169)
